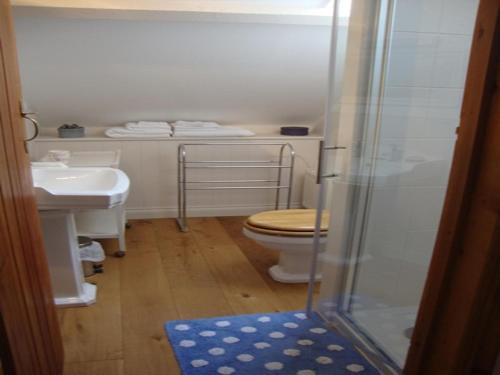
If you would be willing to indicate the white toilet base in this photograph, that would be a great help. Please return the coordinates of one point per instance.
(293, 267)
(281, 276)
(295, 256)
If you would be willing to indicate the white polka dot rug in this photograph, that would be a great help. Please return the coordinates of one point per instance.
(278, 343)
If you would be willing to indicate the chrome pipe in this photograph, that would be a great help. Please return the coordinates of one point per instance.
(179, 188)
(238, 187)
(229, 161)
(184, 202)
(290, 175)
(234, 143)
(278, 191)
(241, 166)
(227, 181)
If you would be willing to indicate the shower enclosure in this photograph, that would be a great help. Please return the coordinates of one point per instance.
(397, 74)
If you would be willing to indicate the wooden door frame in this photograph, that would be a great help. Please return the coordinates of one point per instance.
(458, 329)
(30, 340)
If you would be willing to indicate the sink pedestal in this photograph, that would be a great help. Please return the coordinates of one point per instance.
(61, 246)
(59, 193)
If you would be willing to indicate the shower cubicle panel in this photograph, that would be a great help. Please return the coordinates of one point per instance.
(397, 76)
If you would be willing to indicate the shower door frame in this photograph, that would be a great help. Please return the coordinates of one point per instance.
(342, 322)
(455, 264)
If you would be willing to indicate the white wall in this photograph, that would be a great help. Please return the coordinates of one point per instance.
(102, 72)
(152, 168)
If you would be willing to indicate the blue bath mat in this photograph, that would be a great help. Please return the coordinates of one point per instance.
(279, 343)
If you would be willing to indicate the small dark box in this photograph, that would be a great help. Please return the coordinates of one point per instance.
(71, 131)
(294, 130)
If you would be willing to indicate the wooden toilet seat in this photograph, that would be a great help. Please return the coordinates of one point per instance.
(293, 223)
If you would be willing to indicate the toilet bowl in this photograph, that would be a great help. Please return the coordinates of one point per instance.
(291, 232)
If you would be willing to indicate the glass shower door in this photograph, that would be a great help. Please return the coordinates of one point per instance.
(397, 75)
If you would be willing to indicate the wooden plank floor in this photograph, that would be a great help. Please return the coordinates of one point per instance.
(213, 270)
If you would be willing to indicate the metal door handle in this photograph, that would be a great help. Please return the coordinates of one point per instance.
(330, 175)
(320, 160)
(334, 148)
(29, 116)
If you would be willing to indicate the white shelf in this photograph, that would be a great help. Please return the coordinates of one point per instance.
(97, 135)
(97, 224)
(179, 139)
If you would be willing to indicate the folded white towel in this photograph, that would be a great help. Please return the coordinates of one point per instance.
(120, 132)
(147, 125)
(153, 123)
(223, 131)
(195, 124)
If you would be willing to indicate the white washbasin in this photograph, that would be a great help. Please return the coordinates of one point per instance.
(79, 188)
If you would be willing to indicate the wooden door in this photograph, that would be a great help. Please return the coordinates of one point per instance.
(30, 341)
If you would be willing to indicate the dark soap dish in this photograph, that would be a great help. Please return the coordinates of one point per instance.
(294, 130)
(71, 131)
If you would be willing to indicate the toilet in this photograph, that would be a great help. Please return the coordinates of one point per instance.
(291, 232)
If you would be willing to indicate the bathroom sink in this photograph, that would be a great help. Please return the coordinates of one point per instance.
(79, 188)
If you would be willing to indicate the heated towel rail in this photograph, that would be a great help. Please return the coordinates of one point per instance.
(184, 164)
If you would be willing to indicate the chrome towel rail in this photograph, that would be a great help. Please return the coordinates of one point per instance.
(240, 166)
(184, 165)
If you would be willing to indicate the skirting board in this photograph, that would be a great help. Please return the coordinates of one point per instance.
(171, 212)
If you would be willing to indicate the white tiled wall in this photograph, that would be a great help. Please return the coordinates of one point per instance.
(412, 156)
(421, 108)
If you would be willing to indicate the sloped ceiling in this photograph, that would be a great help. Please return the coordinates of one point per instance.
(102, 72)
